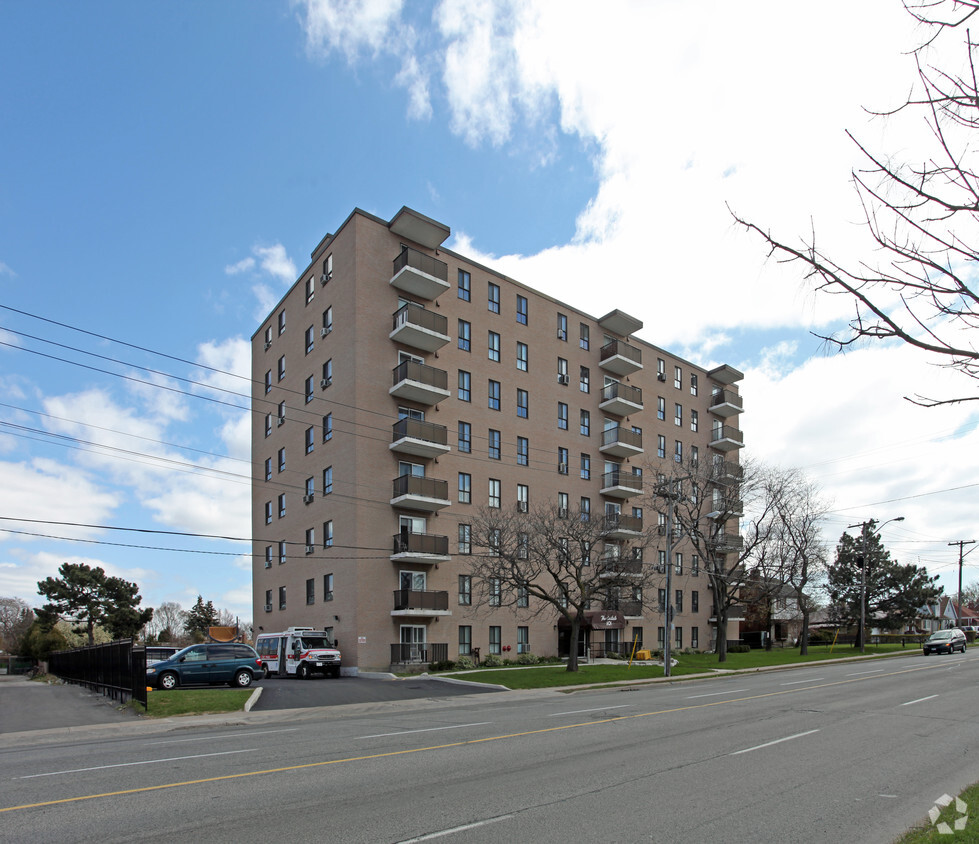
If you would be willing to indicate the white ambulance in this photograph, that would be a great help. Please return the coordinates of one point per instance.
(298, 652)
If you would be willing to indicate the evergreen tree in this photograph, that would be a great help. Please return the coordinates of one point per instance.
(200, 617)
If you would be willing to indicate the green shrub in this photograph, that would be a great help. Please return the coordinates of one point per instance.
(739, 649)
(527, 659)
(492, 661)
(443, 665)
(465, 663)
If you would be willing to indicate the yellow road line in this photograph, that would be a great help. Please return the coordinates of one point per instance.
(308, 765)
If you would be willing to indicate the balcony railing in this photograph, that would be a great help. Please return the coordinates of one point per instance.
(422, 652)
(618, 480)
(619, 567)
(421, 543)
(419, 327)
(622, 393)
(631, 440)
(620, 358)
(726, 438)
(420, 274)
(418, 429)
(416, 381)
(422, 487)
(726, 403)
(420, 261)
(415, 599)
(623, 522)
(633, 608)
(726, 543)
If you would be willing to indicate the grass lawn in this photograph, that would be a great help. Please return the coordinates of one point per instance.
(929, 833)
(550, 676)
(195, 702)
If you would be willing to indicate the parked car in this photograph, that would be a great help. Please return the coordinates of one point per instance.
(945, 642)
(201, 665)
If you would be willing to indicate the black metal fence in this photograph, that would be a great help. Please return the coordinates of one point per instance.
(117, 669)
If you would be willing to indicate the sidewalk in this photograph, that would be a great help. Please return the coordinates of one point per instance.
(32, 705)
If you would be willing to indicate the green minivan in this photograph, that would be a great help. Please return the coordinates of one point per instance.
(202, 665)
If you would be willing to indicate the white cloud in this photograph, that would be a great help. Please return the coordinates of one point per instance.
(275, 261)
(5, 270)
(244, 265)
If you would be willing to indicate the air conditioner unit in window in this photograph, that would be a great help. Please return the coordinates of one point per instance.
(522, 507)
(268, 564)
(325, 330)
(325, 382)
(268, 608)
(308, 498)
(562, 513)
(562, 468)
(268, 345)
(325, 278)
(310, 549)
(562, 334)
(563, 379)
(660, 376)
(281, 420)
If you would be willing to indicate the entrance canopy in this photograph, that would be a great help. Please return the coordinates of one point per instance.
(598, 620)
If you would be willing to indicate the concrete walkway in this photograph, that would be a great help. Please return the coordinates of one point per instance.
(33, 705)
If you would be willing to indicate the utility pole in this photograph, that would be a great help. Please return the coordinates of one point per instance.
(958, 605)
(671, 497)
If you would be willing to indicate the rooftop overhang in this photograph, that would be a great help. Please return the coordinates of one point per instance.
(418, 228)
(619, 322)
(725, 375)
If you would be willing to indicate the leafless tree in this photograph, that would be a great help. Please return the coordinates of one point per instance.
(167, 621)
(16, 618)
(710, 501)
(563, 562)
(921, 216)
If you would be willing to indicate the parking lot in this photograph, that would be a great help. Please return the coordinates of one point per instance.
(290, 693)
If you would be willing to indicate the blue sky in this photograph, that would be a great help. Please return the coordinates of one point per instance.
(166, 168)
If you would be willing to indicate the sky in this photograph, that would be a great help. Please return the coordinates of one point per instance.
(166, 169)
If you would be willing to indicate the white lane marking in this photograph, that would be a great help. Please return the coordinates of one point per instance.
(455, 829)
(223, 735)
(872, 671)
(144, 762)
(715, 694)
(796, 682)
(596, 709)
(770, 743)
(919, 700)
(427, 730)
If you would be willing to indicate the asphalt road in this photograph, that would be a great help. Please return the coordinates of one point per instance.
(851, 752)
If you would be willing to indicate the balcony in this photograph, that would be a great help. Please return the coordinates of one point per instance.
(417, 382)
(419, 328)
(725, 543)
(621, 442)
(725, 375)
(620, 358)
(627, 608)
(621, 323)
(726, 403)
(419, 438)
(622, 526)
(413, 492)
(419, 653)
(621, 568)
(727, 473)
(620, 399)
(734, 613)
(728, 507)
(620, 484)
(419, 274)
(415, 602)
(420, 548)
(726, 438)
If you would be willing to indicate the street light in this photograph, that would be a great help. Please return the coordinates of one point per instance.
(863, 573)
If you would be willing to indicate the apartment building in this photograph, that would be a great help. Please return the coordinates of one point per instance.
(398, 388)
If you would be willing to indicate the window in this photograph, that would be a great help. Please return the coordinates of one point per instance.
(678, 377)
(523, 640)
(309, 439)
(585, 467)
(493, 345)
(678, 638)
(494, 492)
(694, 421)
(328, 534)
(282, 367)
(282, 597)
(562, 461)
(268, 468)
(693, 392)
(521, 356)
(309, 340)
(308, 389)
(494, 444)
(465, 385)
(562, 505)
(310, 289)
(694, 455)
(327, 374)
(493, 297)
(523, 403)
(282, 322)
(584, 379)
(268, 556)
(328, 427)
(465, 539)
(465, 285)
(493, 394)
(310, 540)
(562, 416)
(660, 445)
(583, 340)
(678, 415)
(523, 498)
(268, 336)
(695, 566)
(327, 321)
(660, 634)
(282, 459)
(585, 507)
(328, 587)
(521, 309)
(327, 269)
(465, 639)
(678, 562)
(523, 593)
(465, 335)
(465, 488)
(495, 592)
(268, 381)
(562, 371)
(465, 590)
(661, 599)
(694, 601)
(282, 553)
(282, 505)
(584, 425)
(310, 486)
(678, 600)
(523, 451)
(327, 480)
(495, 639)
(678, 451)
(694, 637)
(465, 437)
(562, 327)
(661, 408)
(268, 512)
(268, 424)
